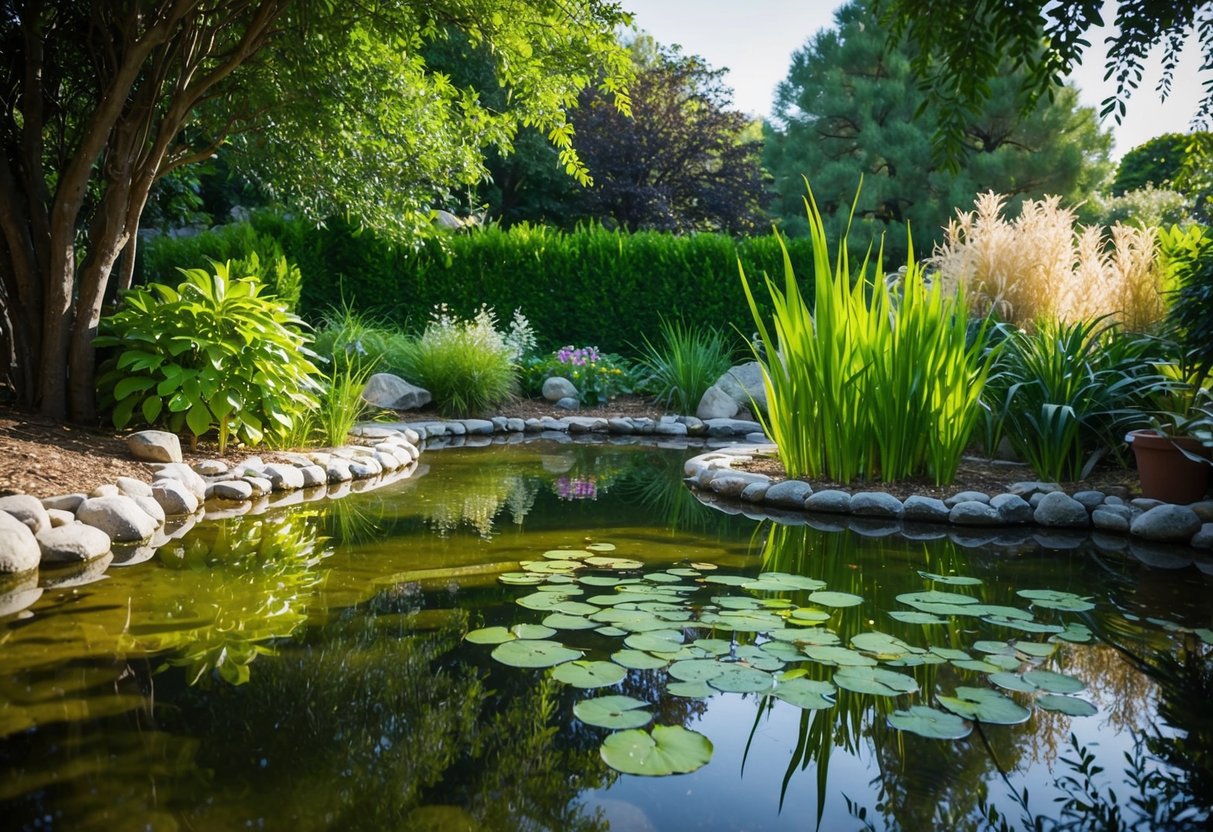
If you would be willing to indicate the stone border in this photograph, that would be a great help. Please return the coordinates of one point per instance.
(1033, 504)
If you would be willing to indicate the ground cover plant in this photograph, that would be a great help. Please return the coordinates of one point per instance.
(686, 360)
(598, 376)
(871, 383)
(215, 353)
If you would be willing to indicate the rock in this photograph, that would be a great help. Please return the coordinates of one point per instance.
(975, 513)
(238, 490)
(29, 510)
(744, 383)
(1146, 503)
(1113, 500)
(73, 543)
(876, 504)
(210, 467)
(1057, 509)
(717, 404)
(154, 446)
(184, 474)
(731, 427)
(620, 426)
(1013, 508)
(1166, 524)
(1029, 488)
(174, 497)
(1203, 539)
(926, 509)
(479, 427)
(788, 494)
(829, 501)
(314, 475)
(364, 469)
(107, 490)
(513, 425)
(283, 477)
(734, 483)
(967, 497)
(59, 517)
(260, 485)
(19, 550)
(119, 517)
(756, 492)
(1109, 521)
(132, 487)
(387, 460)
(568, 403)
(152, 508)
(1090, 499)
(557, 388)
(1203, 509)
(65, 502)
(394, 393)
(670, 429)
(338, 470)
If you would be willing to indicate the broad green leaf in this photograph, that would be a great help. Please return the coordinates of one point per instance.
(520, 578)
(1055, 600)
(736, 678)
(1070, 705)
(1052, 682)
(564, 621)
(835, 599)
(666, 750)
(809, 694)
(589, 674)
(533, 653)
(875, 680)
(659, 641)
(839, 656)
(490, 635)
(951, 580)
(985, 705)
(600, 547)
(696, 670)
(637, 660)
(917, 599)
(613, 712)
(914, 617)
(618, 564)
(882, 645)
(1012, 681)
(728, 580)
(930, 723)
(532, 631)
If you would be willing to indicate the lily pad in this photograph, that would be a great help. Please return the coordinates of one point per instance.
(662, 578)
(637, 660)
(591, 674)
(728, 580)
(808, 616)
(668, 749)
(520, 578)
(951, 580)
(564, 621)
(874, 680)
(799, 636)
(696, 670)
(976, 665)
(1025, 626)
(683, 572)
(840, 656)
(573, 607)
(532, 631)
(703, 566)
(564, 554)
(950, 653)
(613, 712)
(690, 690)
(715, 646)
(736, 678)
(934, 596)
(1052, 682)
(618, 564)
(882, 645)
(985, 705)
(783, 650)
(930, 723)
(736, 602)
(1002, 661)
(758, 657)
(600, 547)
(1069, 705)
(1012, 681)
(837, 600)
(547, 567)
(599, 580)
(1077, 633)
(1055, 600)
(746, 621)
(490, 635)
(534, 653)
(1002, 611)
(808, 694)
(915, 617)
(658, 641)
(561, 584)
(636, 621)
(610, 632)
(542, 600)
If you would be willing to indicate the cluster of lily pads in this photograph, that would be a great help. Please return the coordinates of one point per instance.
(685, 620)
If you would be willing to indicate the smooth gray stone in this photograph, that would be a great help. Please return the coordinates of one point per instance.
(174, 497)
(734, 483)
(1013, 508)
(585, 424)
(260, 485)
(1146, 503)
(19, 550)
(314, 475)
(1035, 499)
(1028, 488)
(27, 509)
(364, 469)
(756, 438)
(107, 490)
(1121, 510)
(1109, 521)
(967, 497)
(187, 475)
(387, 460)
(391, 392)
(154, 446)
(1113, 500)
(479, 427)
(533, 424)
(974, 513)
(456, 429)
(73, 543)
(568, 403)
(119, 517)
(670, 429)
(1166, 524)
(620, 426)
(132, 487)
(59, 517)
(830, 501)
(515, 425)
(788, 494)
(550, 423)
(876, 504)
(152, 508)
(716, 403)
(925, 509)
(1058, 510)
(237, 490)
(210, 467)
(65, 502)
(744, 383)
(1090, 499)
(1203, 539)
(557, 388)
(500, 424)
(283, 477)
(1203, 509)
(756, 492)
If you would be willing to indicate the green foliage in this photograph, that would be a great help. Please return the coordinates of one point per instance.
(1064, 393)
(850, 106)
(340, 408)
(250, 252)
(348, 339)
(213, 353)
(872, 383)
(1146, 207)
(1156, 162)
(1188, 259)
(598, 377)
(685, 363)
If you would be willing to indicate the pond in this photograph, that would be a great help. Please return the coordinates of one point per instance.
(435, 655)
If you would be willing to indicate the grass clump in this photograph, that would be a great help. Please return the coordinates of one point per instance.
(684, 363)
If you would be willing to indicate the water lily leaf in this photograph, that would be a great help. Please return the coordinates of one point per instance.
(776, 603)
(573, 608)
(683, 572)
(614, 598)
(914, 617)
(613, 712)
(951, 580)
(736, 678)
(808, 694)
(1003, 661)
(801, 582)
(561, 578)
(520, 578)
(696, 670)
(1002, 611)
(690, 690)
(610, 632)
(532, 631)
(784, 651)
(703, 567)
(668, 749)
(533, 653)
(490, 635)
(636, 621)
(1069, 705)
(947, 609)
(553, 583)
(713, 646)
(599, 580)
(728, 580)
(799, 636)
(637, 660)
(934, 596)
(564, 554)
(930, 723)
(589, 674)
(1075, 633)
(564, 621)
(1025, 626)
(976, 665)
(985, 705)
(883, 645)
(760, 658)
(840, 656)
(662, 578)
(1055, 600)
(658, 641)
(835, 599)
(1052, 682)
(547, 567)
(747, 621)
(808, 616)
(542, 600)
(600, 547)
(1035, 649)
(736, 602)
(618, 564)
(875, 680)
(916, 660)
(1012, 681)
(951, 654)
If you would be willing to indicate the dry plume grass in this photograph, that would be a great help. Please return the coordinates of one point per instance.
(1042, 266)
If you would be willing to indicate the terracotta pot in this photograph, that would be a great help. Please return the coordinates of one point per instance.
(1166, 474)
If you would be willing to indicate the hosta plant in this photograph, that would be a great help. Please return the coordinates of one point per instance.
(212, 354)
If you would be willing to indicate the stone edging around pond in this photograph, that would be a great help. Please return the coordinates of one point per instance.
(124, 523)
(1036, 504)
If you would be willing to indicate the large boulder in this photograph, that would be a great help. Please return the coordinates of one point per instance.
(19, 550)
(557, 388)
(1166, 524)
(73, 543)
(717, 404)
(394, 393)
(119, 517)
(29, 510)
(154, 446)
(743, 383)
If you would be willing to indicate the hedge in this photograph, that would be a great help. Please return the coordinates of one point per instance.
(590, 286)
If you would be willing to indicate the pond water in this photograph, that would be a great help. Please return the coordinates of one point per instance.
(307, 669)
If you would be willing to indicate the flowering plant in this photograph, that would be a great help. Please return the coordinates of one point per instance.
(598, 376)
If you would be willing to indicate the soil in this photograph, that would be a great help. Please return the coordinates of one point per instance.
(41, 457)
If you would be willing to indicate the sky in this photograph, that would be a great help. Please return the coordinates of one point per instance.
(755, 39)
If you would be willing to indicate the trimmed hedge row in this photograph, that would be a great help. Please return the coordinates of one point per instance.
(590, 286)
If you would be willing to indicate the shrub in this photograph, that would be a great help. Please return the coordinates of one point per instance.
(685, 363)
(1039, 266)
(213, 353)
(1188, 260)
(870, 384)
(598, 377)
(1147, 207)
(347, 338)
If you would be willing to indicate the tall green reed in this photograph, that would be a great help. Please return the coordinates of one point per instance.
(871, 383)
(684, 363)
